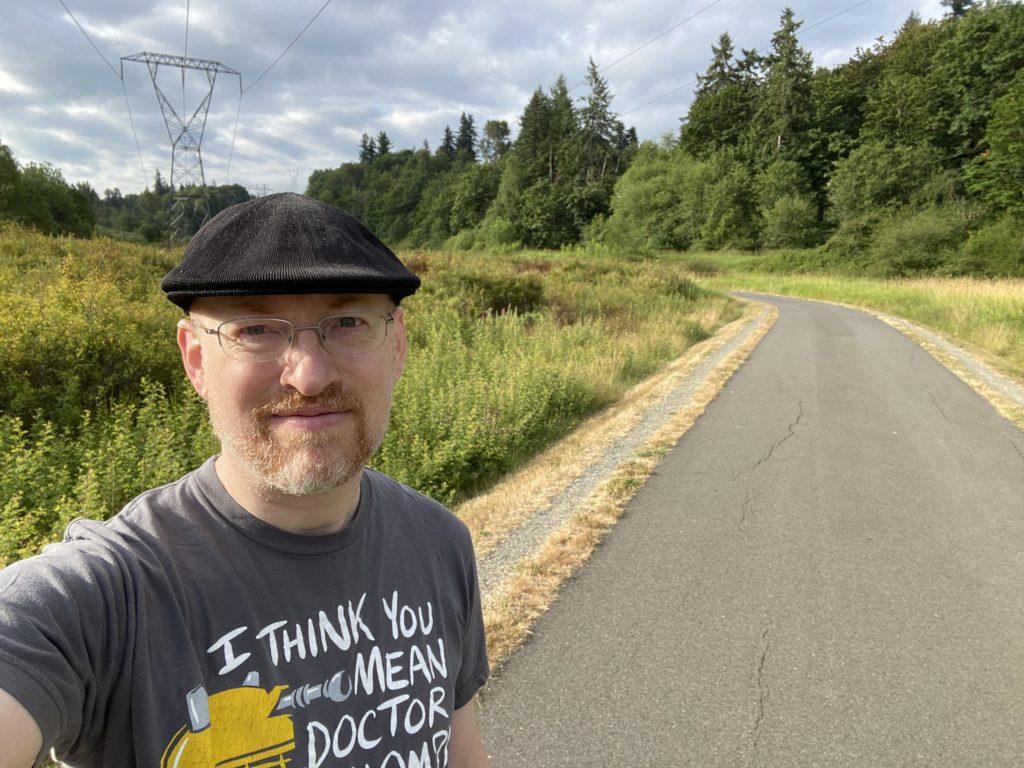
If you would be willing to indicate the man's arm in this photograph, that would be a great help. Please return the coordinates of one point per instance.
(20, 734)
(466, 748)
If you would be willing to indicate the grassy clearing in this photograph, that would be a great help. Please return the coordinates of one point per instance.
(984, 316)
(507, 353)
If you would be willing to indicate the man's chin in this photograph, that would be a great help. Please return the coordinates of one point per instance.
(300, 476)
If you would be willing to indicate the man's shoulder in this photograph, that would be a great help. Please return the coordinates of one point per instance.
(142, 522)
(394, 497)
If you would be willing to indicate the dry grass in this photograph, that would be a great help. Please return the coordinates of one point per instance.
(511, 609)
(493, 515)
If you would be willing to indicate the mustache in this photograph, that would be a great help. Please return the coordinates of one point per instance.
(333, 398)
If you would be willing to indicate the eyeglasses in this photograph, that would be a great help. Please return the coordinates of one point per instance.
(261, 339)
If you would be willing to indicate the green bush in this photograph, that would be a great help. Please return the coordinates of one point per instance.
(994, 250)
(791, 222)
(916, 242)
(878, 176)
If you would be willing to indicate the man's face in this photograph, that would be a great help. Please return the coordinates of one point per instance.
(309, 421)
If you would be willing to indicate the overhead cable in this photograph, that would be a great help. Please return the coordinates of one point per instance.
(89, 39)
(694, 82)
(138, 147)
(656, 37)
(234, 133)
(835, 15)
(315, 16)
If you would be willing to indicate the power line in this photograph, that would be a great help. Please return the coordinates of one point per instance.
(834, 15)
(315, 16)
(234, 133)
(656, 37)
(138, 147)
(694, 82)
(89, 39)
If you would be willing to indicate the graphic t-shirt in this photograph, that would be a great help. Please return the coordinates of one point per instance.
(185, 632)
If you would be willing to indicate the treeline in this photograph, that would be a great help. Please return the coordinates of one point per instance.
(481, 190)
(907, 158)
(38, 196)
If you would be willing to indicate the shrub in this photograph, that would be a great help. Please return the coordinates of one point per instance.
(877, 176)
(914, 242)
(994, 250)
(791, 222)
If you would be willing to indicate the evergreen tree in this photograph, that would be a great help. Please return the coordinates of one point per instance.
(784, 114)
(447, 147)
(383, 144)
(533, 156)
(957, 8)
(597, 125)
(724, 102)
(465, 142)
(367, 149)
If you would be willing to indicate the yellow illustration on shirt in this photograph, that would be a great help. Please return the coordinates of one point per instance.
(236, 728)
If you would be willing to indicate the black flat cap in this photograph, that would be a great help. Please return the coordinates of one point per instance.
(285, 243)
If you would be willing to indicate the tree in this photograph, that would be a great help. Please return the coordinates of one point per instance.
(597, 125)
(724, 102)
(465, 142)
(11, 193)
(495, 143)
(972, 67)
(367, 149)
(447, 147)
(997, 174)
(957, 8)
(383, 144)
(877, 177)
(785, 112)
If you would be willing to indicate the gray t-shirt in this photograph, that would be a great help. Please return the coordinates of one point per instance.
(186, 632)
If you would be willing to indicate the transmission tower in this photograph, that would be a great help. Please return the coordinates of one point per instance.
(294, 175)
(190, 204)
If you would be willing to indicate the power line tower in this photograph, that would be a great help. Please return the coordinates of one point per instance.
(294, 175)
(190, 204)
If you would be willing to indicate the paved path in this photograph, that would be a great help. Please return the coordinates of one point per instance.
(827, 570)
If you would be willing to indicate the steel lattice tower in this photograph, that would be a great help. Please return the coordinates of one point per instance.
(188, 183)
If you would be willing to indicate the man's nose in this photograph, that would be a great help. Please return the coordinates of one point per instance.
(308, 367)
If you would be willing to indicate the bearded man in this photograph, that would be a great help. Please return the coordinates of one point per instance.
(281, 605)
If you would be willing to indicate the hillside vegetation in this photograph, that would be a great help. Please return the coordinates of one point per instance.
(505, 356)
(907, 159)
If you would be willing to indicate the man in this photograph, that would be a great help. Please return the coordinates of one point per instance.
(281, 605)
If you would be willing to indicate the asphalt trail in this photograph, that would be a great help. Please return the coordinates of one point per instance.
(827, 570)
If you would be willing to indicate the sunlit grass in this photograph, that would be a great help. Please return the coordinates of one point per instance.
(984, 315)
(507, 353)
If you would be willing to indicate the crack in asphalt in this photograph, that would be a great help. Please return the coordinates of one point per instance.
(935, 402)
(762, 681)
(771, 450)
(746, 511)
(1016, 447)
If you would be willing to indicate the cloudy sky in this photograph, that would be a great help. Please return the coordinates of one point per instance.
(408, 67)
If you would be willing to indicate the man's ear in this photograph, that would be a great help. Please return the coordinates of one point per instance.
(192, 355)
(401, 342)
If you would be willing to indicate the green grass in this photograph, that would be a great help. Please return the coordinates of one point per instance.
(507, 353)
(985, 316)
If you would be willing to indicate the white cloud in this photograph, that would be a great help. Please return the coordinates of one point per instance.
(405, 66)
(10, 84)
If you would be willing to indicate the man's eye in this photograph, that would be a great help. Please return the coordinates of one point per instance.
(251, 331)
(347, 321)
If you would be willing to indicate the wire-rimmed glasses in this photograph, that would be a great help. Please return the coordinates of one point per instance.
(261, 339)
